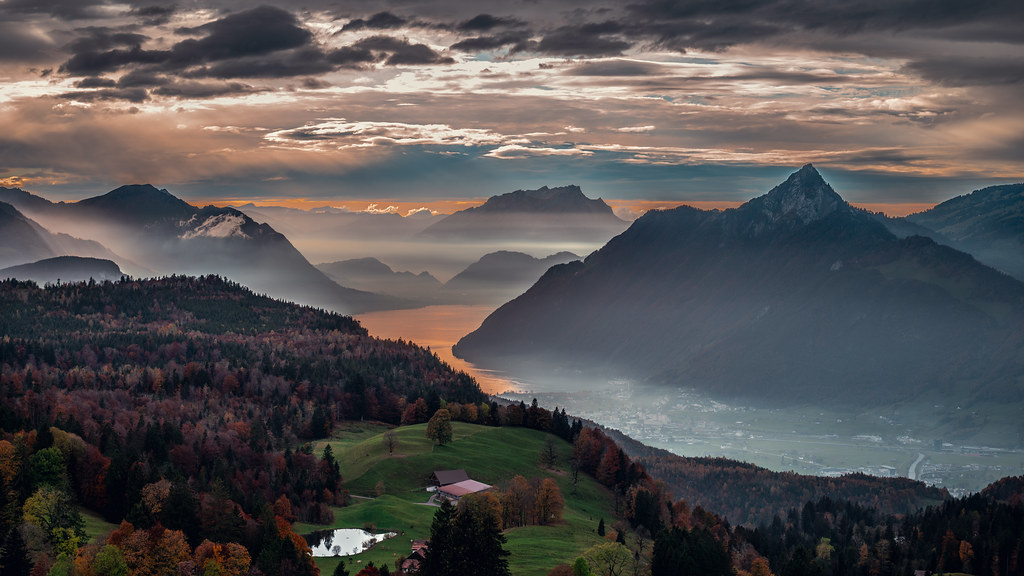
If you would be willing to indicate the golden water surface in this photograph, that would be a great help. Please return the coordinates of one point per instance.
(438, 328)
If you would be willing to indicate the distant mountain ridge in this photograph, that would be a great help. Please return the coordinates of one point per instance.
(494, 278)
(988, 223)
(372, 275)
(23, 240)
(792, 297)
(498, 276)
(169, 235)
(64, 269)
(546, 213)
(544, 200)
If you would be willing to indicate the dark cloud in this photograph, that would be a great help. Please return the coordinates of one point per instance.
(89, 63)
(351, 57)
(584, 40)
(96, 39)
(258, 31)
(139, 87)
(262, 42)
(202, 90)
(717, 24)
(314, 84)
(379, 21)
(63, 9)
(518, 40)
(154, 15)
(966, 71)
(616, 68)
(142, 78)
(95, 82)
(300, 62)
(130, 94)
(20, 45)
(397, 51)
(485, 22)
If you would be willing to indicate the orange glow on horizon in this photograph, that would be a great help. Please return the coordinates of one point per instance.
(895, 209)
(626, 209)
(402, 207)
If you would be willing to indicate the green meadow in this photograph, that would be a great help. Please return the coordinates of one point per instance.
(490, 455)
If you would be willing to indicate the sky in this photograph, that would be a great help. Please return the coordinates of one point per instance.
(411, 103)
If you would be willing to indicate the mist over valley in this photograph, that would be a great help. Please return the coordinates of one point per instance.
(794, 332)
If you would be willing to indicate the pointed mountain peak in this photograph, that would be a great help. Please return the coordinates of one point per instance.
(804, 195)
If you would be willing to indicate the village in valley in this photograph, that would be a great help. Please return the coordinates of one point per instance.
(806, 441)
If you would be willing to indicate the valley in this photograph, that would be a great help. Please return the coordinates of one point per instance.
(807, 440)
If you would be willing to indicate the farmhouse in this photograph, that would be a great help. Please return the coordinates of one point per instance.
(454, 492)
(452, 485)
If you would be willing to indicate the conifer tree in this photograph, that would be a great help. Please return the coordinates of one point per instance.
(14, 560)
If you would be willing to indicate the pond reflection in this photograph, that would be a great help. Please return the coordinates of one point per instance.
(343, 541)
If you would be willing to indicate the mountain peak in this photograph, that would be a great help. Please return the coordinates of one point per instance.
(804, 195)
(561, 199)
(140, 203)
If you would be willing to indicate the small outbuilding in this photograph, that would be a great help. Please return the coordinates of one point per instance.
(414, 561)
(445, 477)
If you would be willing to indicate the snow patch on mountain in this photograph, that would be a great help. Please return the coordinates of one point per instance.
(219, 226)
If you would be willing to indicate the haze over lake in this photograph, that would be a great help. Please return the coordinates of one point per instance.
(438, 328)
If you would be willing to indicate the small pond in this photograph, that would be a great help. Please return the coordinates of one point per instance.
(343, 541)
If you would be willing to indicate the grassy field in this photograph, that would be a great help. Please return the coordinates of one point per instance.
(490, 455)
(95, 525)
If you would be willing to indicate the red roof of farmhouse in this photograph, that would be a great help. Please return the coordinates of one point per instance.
(460, 489)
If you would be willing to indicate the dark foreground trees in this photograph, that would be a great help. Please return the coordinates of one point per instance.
(467, 541)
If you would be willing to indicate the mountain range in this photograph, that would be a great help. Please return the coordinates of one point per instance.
(169, 235)
(493, 279)
(794, 297)
(500, 276)
(372, 275)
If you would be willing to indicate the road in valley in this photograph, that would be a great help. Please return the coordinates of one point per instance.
(912, 474)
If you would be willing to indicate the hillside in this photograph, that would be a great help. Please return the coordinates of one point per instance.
(493, 455)
(752, 495)
(192, 391)
(857, 532)
(794, 297)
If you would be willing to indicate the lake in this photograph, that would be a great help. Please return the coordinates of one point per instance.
(343, 541)
(439, 328)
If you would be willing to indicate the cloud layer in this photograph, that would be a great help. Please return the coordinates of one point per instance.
(902, 100)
